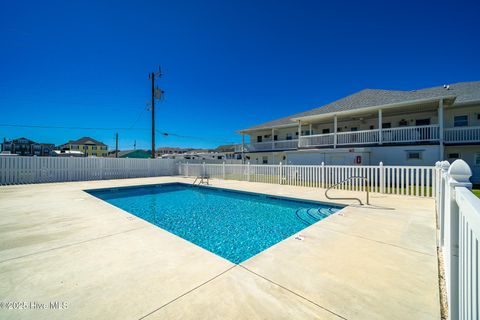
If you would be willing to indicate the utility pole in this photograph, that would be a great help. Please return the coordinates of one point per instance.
(116, 145)
(156, 94)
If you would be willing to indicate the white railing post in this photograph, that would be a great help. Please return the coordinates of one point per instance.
(223, 170)
(248, 171)
(382, 177)
(458, 175)
(204, 169)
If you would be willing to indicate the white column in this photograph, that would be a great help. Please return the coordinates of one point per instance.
(273, 140)
(440, 129)
(380, 129)
(243, 147)
(299, 133)
(335, 131)
(310, 129)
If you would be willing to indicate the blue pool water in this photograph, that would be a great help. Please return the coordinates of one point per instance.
(234, 225)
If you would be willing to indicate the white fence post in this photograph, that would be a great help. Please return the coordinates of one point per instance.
(322, 181)
(280, 173)
(223, 170)
(458, 175)
(248, 171)
(204, 169)
(382, 177)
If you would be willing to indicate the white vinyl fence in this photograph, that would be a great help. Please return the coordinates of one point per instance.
(22, 170)
(458, 211)
(402, 180)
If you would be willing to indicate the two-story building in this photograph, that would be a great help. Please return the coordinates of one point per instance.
(27, 147)
(89, 147)
(416, 127)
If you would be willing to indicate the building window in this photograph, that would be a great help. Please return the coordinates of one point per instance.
(453, 156)
(422, 122)
(265, 160)
(307, 132)
(259, 138)
(94, 154)
(414, 155)
(275, 138)
(477, 159)
(326, 131)
(85, 147)
(386, 125)
(460, 121)
(372, 127)
(353, 129)
(94, 147)
(289, 136)
(104, 147)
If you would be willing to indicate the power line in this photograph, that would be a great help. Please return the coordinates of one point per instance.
(64, 127)
(164, 134)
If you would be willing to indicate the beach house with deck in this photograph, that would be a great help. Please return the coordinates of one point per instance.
(417, 127)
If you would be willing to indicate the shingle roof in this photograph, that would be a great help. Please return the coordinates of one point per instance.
(463, 91)
(85, 140)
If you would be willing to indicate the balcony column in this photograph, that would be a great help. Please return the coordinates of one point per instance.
(380, 129)
(243, 147)
(440, 128)
(299, 133)
(335, 131)
(273, 139)
(310, 129)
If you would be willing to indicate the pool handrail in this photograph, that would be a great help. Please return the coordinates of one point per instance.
(343, 181)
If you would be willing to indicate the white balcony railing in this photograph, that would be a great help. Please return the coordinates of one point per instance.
(358, 137)
(462, 134)
(411, 134)
(268, 145)
(317, 140)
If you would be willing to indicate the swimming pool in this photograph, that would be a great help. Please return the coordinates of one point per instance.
(232, 224)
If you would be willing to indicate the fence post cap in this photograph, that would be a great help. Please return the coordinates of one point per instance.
(381, 163)
(444, 165)
(323, 163)
(460, 171)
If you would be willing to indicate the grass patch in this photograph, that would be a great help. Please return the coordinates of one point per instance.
(476, 192)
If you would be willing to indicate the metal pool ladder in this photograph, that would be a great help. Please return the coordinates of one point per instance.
(203, 180)
(350, 178)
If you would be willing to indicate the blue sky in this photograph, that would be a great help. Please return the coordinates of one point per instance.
(227, 64)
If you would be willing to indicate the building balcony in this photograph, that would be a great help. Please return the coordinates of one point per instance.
(399, 135)
(276, 145)
(411, 134)
(462, 135)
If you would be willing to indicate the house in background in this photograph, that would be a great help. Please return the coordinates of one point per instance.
(171, 151)
(416, 127)
(27, 147)
(87, 145)
(133, 154)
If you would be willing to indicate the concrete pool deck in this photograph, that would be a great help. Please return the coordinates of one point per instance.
(60, 244)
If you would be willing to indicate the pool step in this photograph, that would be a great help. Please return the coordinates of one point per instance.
(311, 215)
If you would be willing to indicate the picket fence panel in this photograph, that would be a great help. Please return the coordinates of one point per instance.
(417, 181)
(25, 170)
